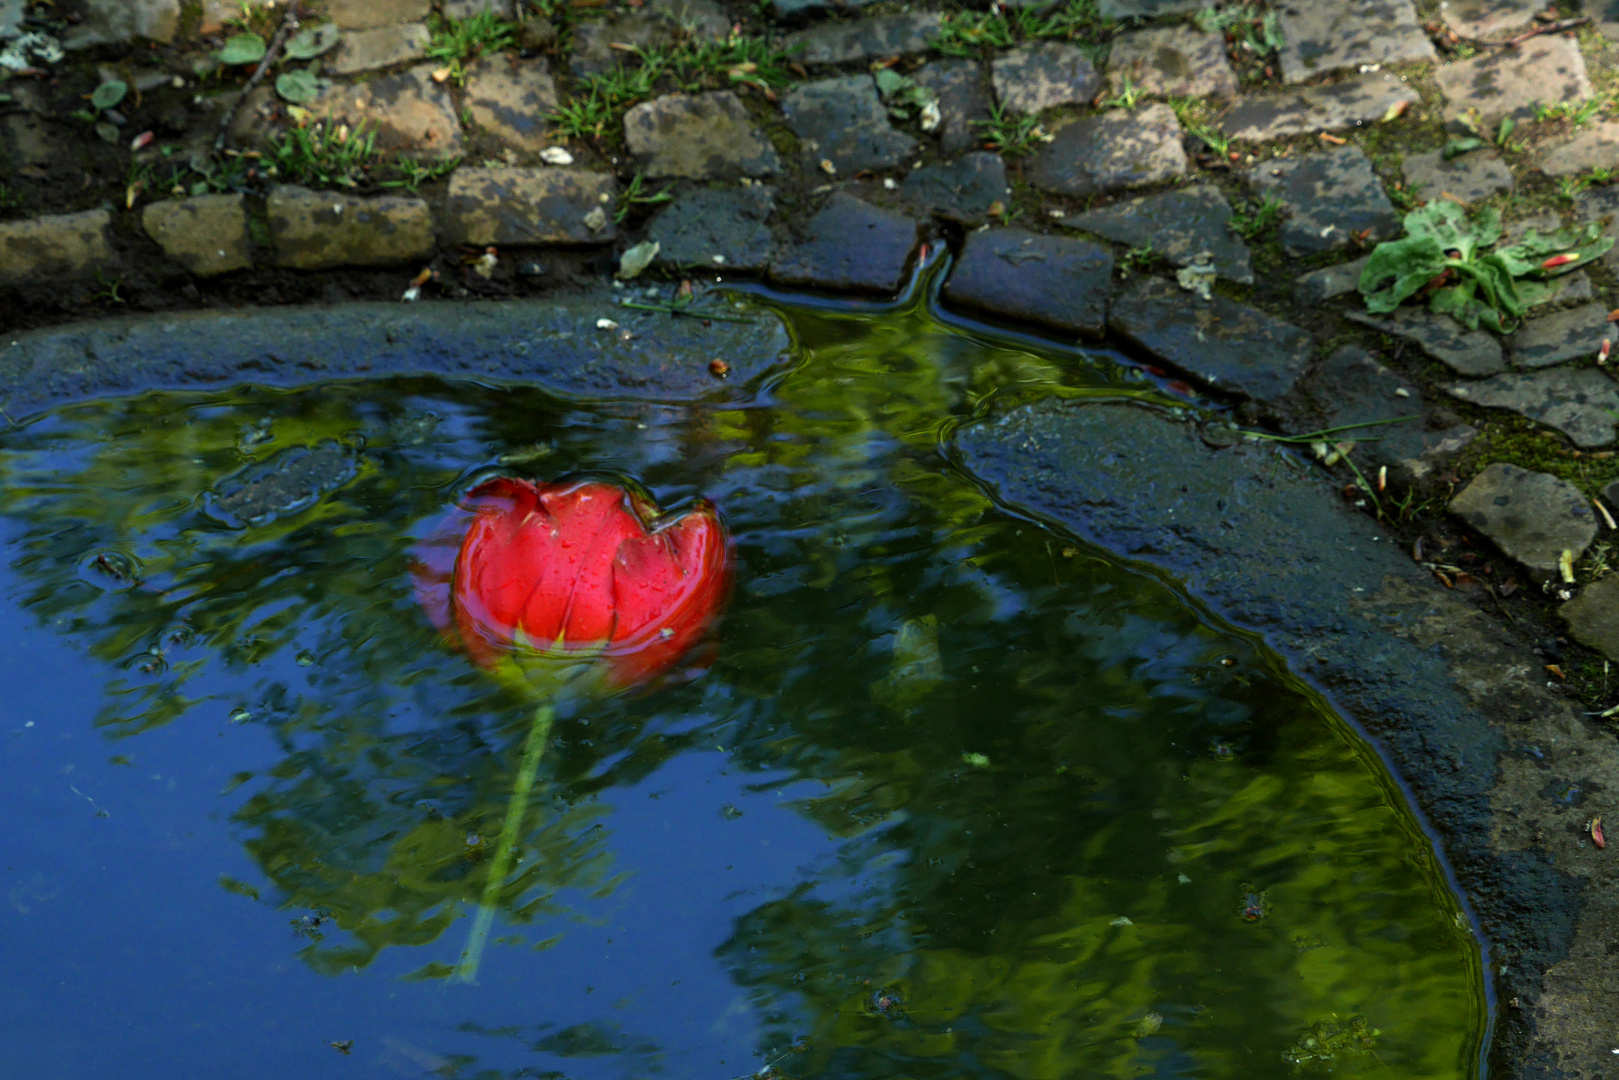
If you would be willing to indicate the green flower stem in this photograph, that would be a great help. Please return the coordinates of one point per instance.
(467, 970)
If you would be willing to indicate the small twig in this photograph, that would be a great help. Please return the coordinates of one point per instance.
(1315, 436)
(1548, 28)
(288, 21)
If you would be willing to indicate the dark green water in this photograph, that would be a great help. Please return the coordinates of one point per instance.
(958, 797)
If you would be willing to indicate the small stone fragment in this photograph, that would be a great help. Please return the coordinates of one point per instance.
(1329, 197)
(1471, 177)
(1466, 352)
(206, 234)
(1512, 82)
(1582, 403)
(1223, 344)
(1172, 61)
(699, 136)
(843, 121)
(1047, 280)
(1177, 226)
(556, 155)
(1326, 36)
(1033, 78)
(1562, 336)
(1117, 150)
(313, 230)
(1348, 103)
(55, 247)
(1532, 517)
(849, 246)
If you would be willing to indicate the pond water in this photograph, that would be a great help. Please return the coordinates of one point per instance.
(957, 795)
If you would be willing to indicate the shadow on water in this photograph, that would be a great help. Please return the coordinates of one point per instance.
(958, 796)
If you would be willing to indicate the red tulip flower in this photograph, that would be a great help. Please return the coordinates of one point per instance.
(584, 571)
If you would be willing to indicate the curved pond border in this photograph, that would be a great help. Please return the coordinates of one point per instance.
(1457, 703)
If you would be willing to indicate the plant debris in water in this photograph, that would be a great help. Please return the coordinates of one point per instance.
(1327, 1041)
(1453, 262)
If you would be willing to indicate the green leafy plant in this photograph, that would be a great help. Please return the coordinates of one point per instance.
(242, 49)
(966, 33)
(1250, 223)
(1186, 111)
(1011, 135)
(902, 94)
(1137, 258)
(1454, 262)
(1246, 25)
(104, 97)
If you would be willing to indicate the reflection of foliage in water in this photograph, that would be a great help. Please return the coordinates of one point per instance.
(1019, 785)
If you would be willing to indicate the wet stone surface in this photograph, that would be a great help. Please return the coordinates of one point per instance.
(1353, 387)
(1328, 282)
(1115, 151)
(1047, 280)
(1177, 225)
(1562, 336)
(715, 227)
(887, 35)
(365, 14)
(1146, 9)
(796, 11)
(1512, 82)
(1220, 343)
(594, 41)
(112, 21)
(380, 47)
(408, 111)
(530, 206)
(64, 246)
(698, 136)
(1467, 352)
(1172, 61)
(1488, 18)
(843, 121)
(511, 100)
(1329, 197)
(312, 230)
(206, 234)
(849, 246)
(1471, 177)
(1594, 146)
(288, 482)
(1532, 517)
(1327, 36)
(1593, 616)
(962, 100)
(964, 190)
(1582, 403)
(1032, 78)
(1331, 107)
(1601, 204)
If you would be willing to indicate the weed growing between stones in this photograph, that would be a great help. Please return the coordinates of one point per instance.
(1250, 223)
(969, 33)
(313, 154)
(456, 41)
(1011, 135)
(413, 173)
(635, 195)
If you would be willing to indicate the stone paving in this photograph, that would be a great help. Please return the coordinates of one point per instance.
(1200, 183)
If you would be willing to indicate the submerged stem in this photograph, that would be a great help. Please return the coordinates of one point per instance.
(533, 747)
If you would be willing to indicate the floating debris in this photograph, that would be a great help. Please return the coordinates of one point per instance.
(289, 482)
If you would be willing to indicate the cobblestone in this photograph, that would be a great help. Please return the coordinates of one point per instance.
(510, 100)
(841, 43)
(1335, 106)
(699, 136)
(206, 234)
(842, 122)
(1047, 280)
(1172, 61)
(379, 47)
(1330, 197)
(1112, 152)
(1324, 37)
(1513, 82)
(59, 246)
(530, 206)
(849, 246)
(1033, 78)
(315, 230)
